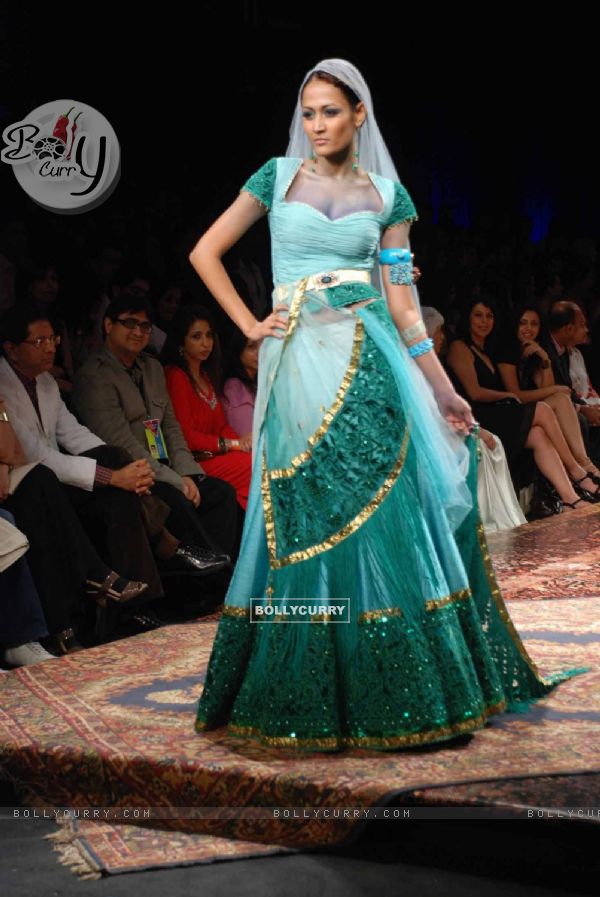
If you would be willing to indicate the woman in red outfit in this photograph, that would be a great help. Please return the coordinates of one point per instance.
(192, 358)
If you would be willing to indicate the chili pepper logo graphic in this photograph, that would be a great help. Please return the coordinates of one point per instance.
(73, 129)
(54, 147)
(60, 128)
(65, 155)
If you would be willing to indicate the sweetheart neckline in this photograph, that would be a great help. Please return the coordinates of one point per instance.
(298, 202)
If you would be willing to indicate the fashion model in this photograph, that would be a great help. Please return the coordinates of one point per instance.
(364, 479)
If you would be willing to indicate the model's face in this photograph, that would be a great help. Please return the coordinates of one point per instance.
(128, 335)
(249, 357)
(481, 321)
(45, 289)
(529, 327)
(328, 118)
(30, 359)
(199, 342)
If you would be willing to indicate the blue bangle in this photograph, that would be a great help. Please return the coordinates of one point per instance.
(426, 345)
(392, 256)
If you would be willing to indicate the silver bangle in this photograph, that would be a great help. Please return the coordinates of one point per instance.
(410, 333)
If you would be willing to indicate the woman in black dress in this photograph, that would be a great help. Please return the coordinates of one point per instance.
(526, 371)
(519, 426)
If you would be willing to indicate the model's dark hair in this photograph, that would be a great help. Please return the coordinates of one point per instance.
(180, 327)
(562, 313)
(352, 98)
(14, 324)
(233, 365)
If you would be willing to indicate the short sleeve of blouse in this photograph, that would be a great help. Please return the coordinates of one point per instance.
(261, 184)
(403, 209)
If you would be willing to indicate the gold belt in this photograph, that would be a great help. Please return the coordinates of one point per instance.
(322, 281)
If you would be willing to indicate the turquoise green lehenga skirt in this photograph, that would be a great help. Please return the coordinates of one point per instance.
(356, 495)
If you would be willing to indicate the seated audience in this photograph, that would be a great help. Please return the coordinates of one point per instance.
(121, 394)
(239, 388)
(192, 356)
(37, 284)
(519, 426)
(568, 328)
(498, 505)
(22, 622)
(62, 560)
(526, 370)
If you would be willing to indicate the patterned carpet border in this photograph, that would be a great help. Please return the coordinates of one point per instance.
(113, 726)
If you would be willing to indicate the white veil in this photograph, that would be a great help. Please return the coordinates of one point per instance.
(374, 155)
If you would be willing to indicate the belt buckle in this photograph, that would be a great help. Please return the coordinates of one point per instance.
(329, 279)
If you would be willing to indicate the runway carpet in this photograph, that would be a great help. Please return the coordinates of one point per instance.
(114, 726)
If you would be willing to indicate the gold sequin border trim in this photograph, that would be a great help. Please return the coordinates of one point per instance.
(357, 343)
(369, 616)
(294, 312)
(431, 605)
(366, 616)
(268, 511)
(231, 611)
(347, 530)
(367, 741)
(436, 603)
(400, 223)
(501, 606)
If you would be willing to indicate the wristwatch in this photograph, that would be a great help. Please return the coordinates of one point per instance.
(545, 363)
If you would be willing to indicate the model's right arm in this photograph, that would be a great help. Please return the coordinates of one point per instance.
(206, 259)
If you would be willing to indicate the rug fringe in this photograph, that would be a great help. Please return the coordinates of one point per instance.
(66, 844)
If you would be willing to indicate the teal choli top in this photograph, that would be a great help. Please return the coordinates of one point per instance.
(305, 241)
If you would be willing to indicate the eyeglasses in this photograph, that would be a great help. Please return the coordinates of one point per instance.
(40, 341)
(133, 323)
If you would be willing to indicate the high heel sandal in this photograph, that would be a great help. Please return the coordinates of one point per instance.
(592, 497)
(593, 477)
(101, 591)
(571, 504)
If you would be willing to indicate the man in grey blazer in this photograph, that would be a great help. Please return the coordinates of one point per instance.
(120, 393)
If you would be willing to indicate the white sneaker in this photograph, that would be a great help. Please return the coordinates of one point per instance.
(23, 655)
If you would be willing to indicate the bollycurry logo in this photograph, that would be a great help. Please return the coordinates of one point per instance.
(65, 155)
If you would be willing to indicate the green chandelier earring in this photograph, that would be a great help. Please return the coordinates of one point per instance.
(355, 153)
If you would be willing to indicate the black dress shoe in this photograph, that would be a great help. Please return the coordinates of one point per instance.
(193, 559)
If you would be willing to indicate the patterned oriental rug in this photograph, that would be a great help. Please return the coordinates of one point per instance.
(113, 726)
